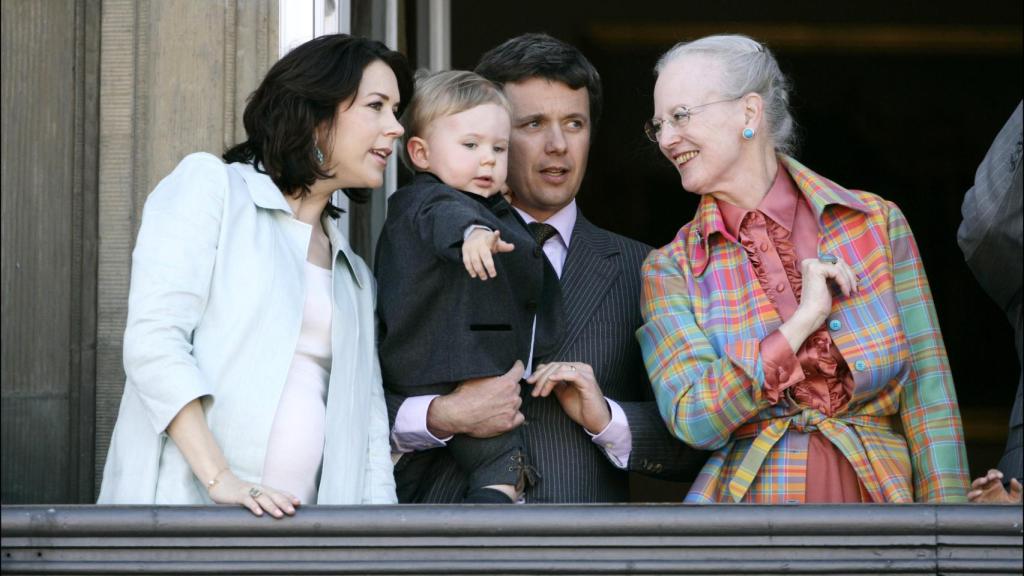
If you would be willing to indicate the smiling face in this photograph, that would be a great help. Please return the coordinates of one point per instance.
(468, 150)
(707, 150)
(550, 142)
(365, 128)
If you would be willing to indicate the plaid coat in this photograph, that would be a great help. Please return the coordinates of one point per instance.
(705, 315)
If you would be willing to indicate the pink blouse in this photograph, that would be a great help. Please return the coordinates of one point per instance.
(777, 236)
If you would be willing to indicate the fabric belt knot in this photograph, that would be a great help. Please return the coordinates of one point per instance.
(807, 420)
(839, 430)
(542, 232)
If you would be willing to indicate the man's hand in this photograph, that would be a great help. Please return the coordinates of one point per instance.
(481, 408)
(577, 390)
(477, 250)
(989, 490)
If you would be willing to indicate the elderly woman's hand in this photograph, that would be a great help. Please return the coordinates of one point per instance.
(227, 488)
(819, 276)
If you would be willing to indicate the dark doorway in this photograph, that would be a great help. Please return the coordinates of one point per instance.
(899, 99)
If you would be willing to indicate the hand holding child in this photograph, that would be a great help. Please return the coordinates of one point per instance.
(477, 251)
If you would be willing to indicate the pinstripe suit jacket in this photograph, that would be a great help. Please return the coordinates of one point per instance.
(992, 241)
(601, 290)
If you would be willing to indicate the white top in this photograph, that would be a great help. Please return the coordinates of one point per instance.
(296, 445)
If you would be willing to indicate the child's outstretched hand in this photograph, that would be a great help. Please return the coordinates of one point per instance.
(477, 250)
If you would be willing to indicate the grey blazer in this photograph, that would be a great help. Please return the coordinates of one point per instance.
(437, 326)
(991, 239)
(601, 292)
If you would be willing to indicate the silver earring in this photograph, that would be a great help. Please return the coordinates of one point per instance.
(319, 155)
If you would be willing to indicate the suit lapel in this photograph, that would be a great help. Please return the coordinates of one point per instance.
(590, 267)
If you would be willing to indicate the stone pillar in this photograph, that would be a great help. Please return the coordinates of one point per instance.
(49, 105)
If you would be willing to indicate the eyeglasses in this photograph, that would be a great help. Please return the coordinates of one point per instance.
(679, 118)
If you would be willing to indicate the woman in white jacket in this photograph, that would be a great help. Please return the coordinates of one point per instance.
(252, 374)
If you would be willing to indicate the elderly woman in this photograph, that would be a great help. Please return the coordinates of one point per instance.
(789, 326)
(249, 349)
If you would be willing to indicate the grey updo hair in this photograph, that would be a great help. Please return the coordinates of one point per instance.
(748, 66)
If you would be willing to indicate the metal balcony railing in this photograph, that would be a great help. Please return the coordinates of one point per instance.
(536, 539)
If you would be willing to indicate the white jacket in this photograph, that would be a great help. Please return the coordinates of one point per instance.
(214, 312)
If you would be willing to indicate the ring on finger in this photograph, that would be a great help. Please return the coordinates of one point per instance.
(570, 367)
(828, 258)
(255, 492)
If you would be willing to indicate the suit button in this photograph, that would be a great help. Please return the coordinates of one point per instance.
(531, 305)
(834, 325)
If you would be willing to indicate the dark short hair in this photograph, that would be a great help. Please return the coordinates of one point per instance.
(301, 93)
(538, 55)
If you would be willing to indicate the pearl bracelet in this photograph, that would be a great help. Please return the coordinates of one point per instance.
(215, 480)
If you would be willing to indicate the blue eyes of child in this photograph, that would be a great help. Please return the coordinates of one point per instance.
(474, 146)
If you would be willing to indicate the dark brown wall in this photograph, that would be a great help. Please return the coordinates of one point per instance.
(48, 195)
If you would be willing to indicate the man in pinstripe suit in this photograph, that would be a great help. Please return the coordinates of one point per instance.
(587, 411)
(991, 238)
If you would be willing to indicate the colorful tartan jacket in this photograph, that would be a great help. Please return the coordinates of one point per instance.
(705, 315)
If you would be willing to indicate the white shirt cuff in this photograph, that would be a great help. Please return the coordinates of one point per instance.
(615, 440)
(410, 433)
(469, 230)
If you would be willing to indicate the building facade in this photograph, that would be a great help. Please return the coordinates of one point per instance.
(101, 98)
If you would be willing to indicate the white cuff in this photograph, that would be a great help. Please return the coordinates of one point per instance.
(615, 440)
(469, 230)
(410, 433)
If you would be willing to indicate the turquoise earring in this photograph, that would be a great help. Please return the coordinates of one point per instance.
(748, 133)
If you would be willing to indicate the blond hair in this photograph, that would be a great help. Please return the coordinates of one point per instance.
(440, 94)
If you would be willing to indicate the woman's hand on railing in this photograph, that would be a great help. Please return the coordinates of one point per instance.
(230, 489)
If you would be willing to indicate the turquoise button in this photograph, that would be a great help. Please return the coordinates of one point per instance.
(834, 325)
(861, 365)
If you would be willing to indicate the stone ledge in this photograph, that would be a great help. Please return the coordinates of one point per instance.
(537, 539)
